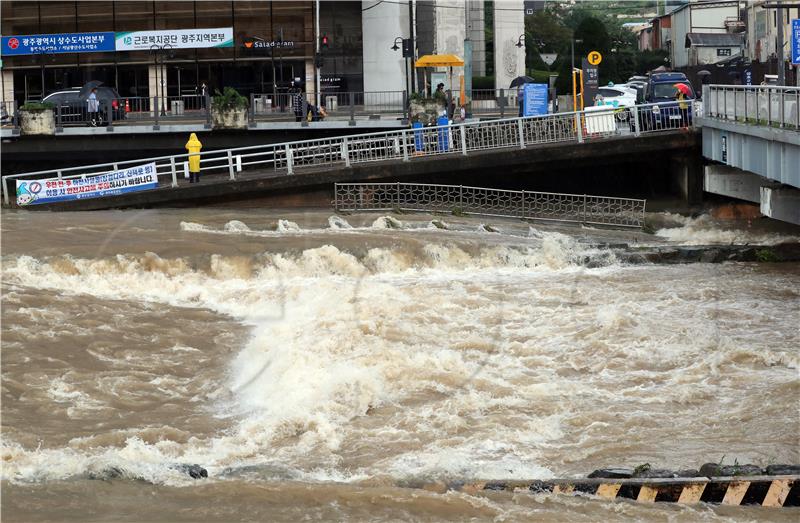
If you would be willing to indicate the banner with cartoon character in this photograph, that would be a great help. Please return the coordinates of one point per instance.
(49, 190)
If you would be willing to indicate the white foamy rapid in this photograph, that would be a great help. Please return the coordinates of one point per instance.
(430, 360)
(705, 230)
(291, 380)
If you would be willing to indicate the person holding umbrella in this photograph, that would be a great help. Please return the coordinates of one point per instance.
(682, 91)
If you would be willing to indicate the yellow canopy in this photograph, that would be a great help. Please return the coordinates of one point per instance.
(439, 60)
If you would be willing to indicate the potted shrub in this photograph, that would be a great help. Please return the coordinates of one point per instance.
(229, 109)
(37, 118)
(426, 110)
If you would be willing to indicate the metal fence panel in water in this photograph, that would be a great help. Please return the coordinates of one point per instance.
(581, 208)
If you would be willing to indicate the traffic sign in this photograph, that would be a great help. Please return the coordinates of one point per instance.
(594, 58)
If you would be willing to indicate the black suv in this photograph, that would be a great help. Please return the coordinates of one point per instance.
(74, 108)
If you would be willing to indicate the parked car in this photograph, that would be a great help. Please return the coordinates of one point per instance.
(672, 112)
(617, 96)
(74, 108)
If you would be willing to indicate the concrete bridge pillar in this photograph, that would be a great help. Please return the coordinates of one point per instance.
(686, 177)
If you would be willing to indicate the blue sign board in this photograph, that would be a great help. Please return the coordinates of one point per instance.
(534, 99)
(57, 43)
(796, 41)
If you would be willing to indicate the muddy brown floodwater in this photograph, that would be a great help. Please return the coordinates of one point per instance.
(312, 363)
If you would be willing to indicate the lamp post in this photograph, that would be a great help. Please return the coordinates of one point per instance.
(158, 54)
(520, 41)
(395, 47)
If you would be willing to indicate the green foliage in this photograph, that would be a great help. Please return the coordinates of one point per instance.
(767, 255)
(37, 107)
(644, 467)
(228, 99)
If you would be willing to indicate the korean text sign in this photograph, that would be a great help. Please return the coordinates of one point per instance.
(175, 39)
(57, 43)
(49, 190)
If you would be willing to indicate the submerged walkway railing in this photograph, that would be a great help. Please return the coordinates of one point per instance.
(461, 199)
(402, 145)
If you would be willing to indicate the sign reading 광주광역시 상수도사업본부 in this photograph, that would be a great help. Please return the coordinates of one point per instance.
(49, 190)
(175, 39)
(57, 43)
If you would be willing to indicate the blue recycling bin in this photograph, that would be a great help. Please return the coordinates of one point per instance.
(419, 140)
(443, 133)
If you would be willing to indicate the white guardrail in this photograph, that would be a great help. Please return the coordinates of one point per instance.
(769, 105)
(400, 145)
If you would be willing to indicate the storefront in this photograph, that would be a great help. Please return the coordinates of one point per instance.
(284, 31)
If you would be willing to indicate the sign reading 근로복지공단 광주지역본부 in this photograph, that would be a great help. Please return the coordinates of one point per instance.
(50, 190)
(175, 39)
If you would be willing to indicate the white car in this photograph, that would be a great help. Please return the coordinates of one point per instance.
(616, 95)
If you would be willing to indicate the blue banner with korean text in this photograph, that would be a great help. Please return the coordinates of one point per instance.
(57, 43)
(35, 192)
(796, 41)
(534, 102)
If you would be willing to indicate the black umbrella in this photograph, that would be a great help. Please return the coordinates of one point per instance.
(520, 80)
(87, 88)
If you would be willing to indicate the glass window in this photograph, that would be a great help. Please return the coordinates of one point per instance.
(95, 17)
(133, 16)
(214, 14)
(292, 22)
(58, 17)
(20, 18)
(175, 15)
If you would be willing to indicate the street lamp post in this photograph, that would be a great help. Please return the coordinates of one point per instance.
(405, 59)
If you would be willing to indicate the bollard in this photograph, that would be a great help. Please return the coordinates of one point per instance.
(345, 152)
(289, 160)
(352, 110)
(194, 146)
(173, 172)
(635, 115)
(156, 127)
(521, 133)
(502, 101)
(207, 104)
(109, 118)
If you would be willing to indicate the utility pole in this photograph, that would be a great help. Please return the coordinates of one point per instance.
(781, 64)
(318, 95)
(467, 58)
(411, 35)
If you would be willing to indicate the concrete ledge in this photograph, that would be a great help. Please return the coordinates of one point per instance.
(777, 134)
(766, 491)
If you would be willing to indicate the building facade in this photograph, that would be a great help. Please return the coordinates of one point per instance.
(704, 18)
(272, 46)
(162, 48)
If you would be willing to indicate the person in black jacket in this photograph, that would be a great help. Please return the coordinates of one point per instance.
(297, 105)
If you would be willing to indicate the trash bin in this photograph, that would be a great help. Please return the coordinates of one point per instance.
(331, 103)
(419, 141)
(443, 133)
(177, 107)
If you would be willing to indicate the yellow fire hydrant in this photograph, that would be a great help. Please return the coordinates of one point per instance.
(194, 146)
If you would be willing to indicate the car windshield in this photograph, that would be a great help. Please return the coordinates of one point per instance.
(667, 91)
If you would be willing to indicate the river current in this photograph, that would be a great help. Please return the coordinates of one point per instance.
(315, 364)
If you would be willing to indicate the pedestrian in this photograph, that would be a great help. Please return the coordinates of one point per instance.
(93, 106)
(203, 93)
(297, 105)
(194, 146)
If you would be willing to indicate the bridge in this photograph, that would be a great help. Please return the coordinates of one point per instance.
(492, 148)
(752, 134)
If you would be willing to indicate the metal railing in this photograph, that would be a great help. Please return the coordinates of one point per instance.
(266, 106)
(461, 199)
(769, 105)
(396, 145)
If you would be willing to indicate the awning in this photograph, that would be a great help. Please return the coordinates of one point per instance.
(714, 40)
(439, 60)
